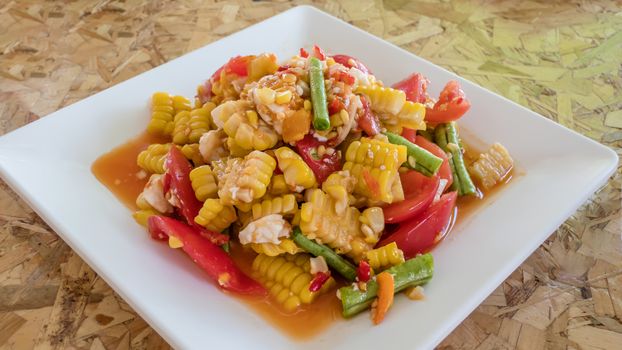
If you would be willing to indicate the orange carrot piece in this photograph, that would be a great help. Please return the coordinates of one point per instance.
(372, 184)
(385, 295)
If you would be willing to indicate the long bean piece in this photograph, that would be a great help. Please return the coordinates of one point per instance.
(447, 138)
(424, 161)
(413, 272)
(321, 120)
(345, 268)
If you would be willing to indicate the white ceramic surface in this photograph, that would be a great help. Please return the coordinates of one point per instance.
(48, 163)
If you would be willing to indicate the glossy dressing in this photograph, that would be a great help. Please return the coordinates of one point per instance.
(118, 171)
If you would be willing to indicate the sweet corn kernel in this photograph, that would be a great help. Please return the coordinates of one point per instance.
(174, 242)
(330, 61)
(289, 78)
(307, 105)
(344, 116)
(253, 119)
(266, 95)
(335, 120)
(283, 97)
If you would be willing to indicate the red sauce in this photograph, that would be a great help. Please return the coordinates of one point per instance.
(118, 171)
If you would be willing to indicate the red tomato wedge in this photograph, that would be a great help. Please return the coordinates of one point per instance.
(415, 86)
(410, 134)
(350, 62)
(423, 232)
(445, 171)
(210, 257)
(321, 166)
(451, 105)
(419, 191)
(177, 176)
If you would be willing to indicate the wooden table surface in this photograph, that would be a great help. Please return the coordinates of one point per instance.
(561, 59)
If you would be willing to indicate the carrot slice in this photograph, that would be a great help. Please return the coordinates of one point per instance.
(372, 184)
(385, 295)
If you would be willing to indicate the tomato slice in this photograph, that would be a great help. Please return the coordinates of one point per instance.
(451, 105)
(177, 177)
(445, 171)
(321, 166)
(368, 121)
(211, 258)
(419, 191)
(350, 62)
(415, 86)
(409, 134)
(423, 232)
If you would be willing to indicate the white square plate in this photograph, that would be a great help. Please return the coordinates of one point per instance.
(48, 163)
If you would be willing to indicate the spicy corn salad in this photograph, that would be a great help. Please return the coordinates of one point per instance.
(331, 184)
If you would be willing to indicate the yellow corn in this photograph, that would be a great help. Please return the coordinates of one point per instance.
(492, 167)
(297, 173)
(287, 278)
(266, 95)
(204, 183)
(192, 153)
(385, 257)
(189, 126)
(383, 100)
(341, 231)
(375, 165)
(246, 180)
(215, 216)
(286, 246)
(243, 126)
(153, 158)
(278, 186)
(283, 97)
(141, 216)
(372, 224)
(162, 113)
(285, 205)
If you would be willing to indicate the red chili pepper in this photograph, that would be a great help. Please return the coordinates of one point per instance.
(178, 172)
(210, 257)
(368, 121)
(283, 68)
(409, 134)
(343, 77)
(335, 105)
(303, 53)
(319, 53)
(321, 166)
(318, 281)
(363, 272)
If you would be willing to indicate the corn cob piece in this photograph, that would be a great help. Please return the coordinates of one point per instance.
(141, 216)
(153, 158)
(287, 278)
(410, 116)
(204, 183)
(374, 164)
(385, 257)
(189, 126)
(298, 175)
(192, 152)
(246, 180)
(215, 216)
(162, 113)
(492, 167)
(320, 220)
(278, 186)
(382, 99)
(243, 126)
(372, 224)
(285, 205)
(287, 246)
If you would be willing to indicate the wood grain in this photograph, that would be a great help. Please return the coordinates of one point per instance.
(561, 59)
